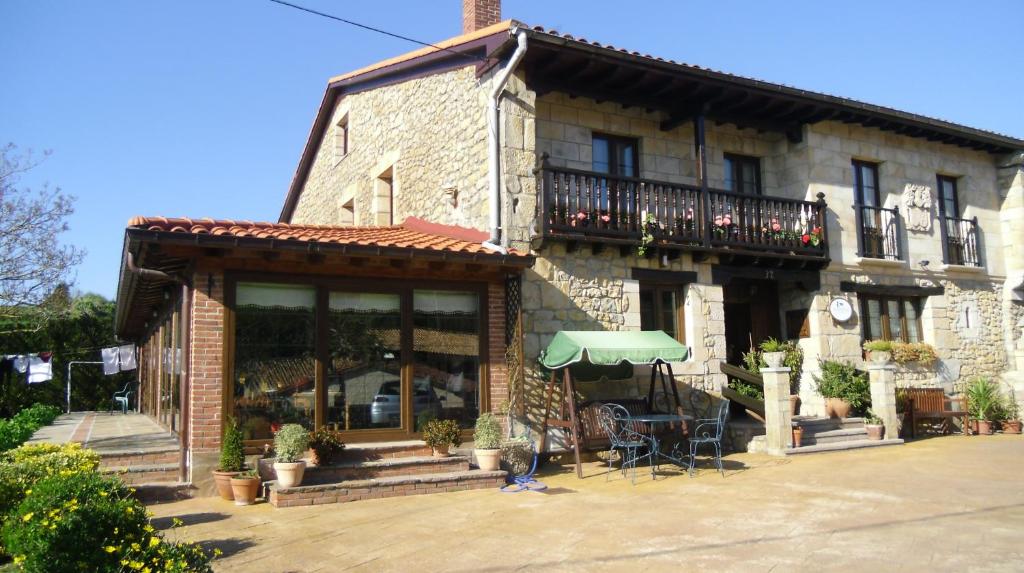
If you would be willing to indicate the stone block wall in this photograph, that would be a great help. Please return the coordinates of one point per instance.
(431, 132)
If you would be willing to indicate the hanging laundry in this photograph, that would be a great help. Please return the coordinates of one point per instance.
(21, 363)
(110, 360)
(126, 355)
(40, 368)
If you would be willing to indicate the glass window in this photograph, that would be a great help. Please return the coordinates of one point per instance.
(865, 181)
(891, 318)
(446, 356)
(365, 366)
(743, 174)
(274, 366)
(661, 308)
(948, 196)
(615, 155)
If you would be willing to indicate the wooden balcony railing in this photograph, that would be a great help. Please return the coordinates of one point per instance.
(878, 234)
(960, 237)
(599, 207)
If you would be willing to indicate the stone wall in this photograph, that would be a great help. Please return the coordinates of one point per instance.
(430, 131)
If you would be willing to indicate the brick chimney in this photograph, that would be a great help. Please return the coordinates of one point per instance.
(477, 14)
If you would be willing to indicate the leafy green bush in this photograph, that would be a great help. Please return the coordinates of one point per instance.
(794, 360)
(290, 443)
(17, 430)
(878, 346)
(232, 448)
(87, 522)
(21, 468)
(744, 389)
(487, 433)
(326, 444)
(842, 380)
(440, 433)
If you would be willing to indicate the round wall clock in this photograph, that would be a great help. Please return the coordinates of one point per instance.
(840, 309)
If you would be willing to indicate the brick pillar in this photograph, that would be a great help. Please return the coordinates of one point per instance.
(883, 397)
(477, 14)
(497, 368)
(778, 421)
(206, 377)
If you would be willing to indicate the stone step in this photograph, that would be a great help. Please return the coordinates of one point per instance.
(355, 490)
(147, 473)
(148, 456)
(842, 446)
(159, 492)
(390, 467)
(813, 425)
(833, 436)
(362, 452)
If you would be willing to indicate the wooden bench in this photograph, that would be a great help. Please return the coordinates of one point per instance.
(932, 404)
(593, 437)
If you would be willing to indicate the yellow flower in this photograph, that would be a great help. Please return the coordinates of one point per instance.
(28, 491)
(154, 541)
(27, 516)
(129, 510)
(103, 494)
(136, 546)
(148, 528)
(110, 549)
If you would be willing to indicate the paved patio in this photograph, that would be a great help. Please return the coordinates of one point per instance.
(108, 433)
(939, 504)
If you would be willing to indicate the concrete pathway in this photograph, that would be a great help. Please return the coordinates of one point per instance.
(941, 504)
(108, 433)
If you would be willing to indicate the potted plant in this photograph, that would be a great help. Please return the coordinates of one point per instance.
(982, 398)
(798, 435)
(325, 444)
(1012, 424)
(774, 352)
(232, 459)
(441, 435)
(873, 424)
(487, 442)
(290, 443)
(793, 358)
(246, 487)
(879, 351)
(843, 387)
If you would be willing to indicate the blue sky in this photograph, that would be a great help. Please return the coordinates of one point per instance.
(201, 108)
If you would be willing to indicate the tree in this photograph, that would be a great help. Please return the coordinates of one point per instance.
(33, 263)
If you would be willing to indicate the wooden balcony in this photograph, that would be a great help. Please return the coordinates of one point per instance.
(649, 217)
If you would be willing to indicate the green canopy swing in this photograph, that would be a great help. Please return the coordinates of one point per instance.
(604, 349)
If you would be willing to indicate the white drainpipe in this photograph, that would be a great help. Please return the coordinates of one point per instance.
(493, 143)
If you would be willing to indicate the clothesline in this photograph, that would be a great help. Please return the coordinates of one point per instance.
(38, 367)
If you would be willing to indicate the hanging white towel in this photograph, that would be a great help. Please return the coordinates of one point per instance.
(126, 354)
(110, 360)
(39, 370)
(21, 364)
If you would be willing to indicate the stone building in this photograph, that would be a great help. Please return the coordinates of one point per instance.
(589, 187)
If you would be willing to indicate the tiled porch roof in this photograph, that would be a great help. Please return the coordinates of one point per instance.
(411, 234)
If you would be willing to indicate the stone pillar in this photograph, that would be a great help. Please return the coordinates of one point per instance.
(778, 422)
(883, 397)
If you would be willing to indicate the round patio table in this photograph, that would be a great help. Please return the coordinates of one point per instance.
(652, 421)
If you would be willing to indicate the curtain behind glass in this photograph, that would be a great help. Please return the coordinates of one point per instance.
(364, 370)
(274, 367)
(446, 344)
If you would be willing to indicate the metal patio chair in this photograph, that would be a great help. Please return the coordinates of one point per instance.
(709, 431)
(624, 437)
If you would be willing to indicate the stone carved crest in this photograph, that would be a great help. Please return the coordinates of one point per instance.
(917, 206)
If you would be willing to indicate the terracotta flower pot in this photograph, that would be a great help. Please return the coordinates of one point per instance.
(289, 474)
(441, 451)
(984, 427)
(489, 460)
(875, 431)
(794, 404)
(245, 490)
(837, 408)
(1011, 427)
(223, 482)
(798, 436)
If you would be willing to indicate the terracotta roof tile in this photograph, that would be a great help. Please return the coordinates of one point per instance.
(412, 233)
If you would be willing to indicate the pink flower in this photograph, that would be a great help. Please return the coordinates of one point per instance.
(718, 220)
(776, 226)
(606, 218)
(806, 238)
(581, 215)
(727, 220)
